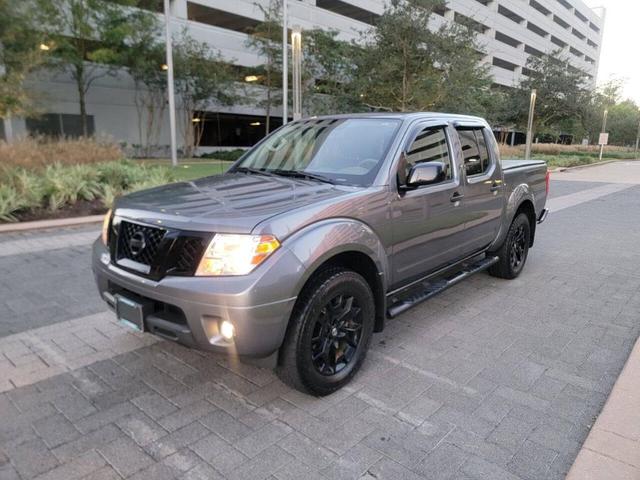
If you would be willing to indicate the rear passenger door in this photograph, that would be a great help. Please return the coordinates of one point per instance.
(483, 186)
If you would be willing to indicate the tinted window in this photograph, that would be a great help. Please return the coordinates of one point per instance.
(59, 125)
(430, 145)
(474, 151)
(345, 150)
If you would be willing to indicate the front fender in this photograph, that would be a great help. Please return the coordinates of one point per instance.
(519, 194)
(317, 243)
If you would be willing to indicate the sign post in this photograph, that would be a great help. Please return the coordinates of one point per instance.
(602, 141)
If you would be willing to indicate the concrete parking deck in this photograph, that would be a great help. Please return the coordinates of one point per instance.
(491, 380)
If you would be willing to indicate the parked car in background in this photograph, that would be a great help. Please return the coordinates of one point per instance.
(317, 236)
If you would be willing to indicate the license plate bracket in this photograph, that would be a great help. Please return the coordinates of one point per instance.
(130, 312)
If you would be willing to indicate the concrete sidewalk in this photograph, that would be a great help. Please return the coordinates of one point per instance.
(612, 449)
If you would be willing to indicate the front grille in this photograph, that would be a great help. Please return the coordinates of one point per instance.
(152, 236)
(164, 251)
(190, 253)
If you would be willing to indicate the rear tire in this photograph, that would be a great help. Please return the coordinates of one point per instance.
(329, 332)
(514, 250)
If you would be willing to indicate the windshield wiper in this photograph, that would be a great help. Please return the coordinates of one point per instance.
(302, 174)
(257, 171)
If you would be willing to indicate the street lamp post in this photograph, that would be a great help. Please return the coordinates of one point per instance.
(296, 50)
(635, 152)
(532, 107)
(604, 129)
(170, 91)
(285, 67)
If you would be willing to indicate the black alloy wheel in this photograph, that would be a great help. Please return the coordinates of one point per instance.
(336, 335)
(329, 332)
(513, 252)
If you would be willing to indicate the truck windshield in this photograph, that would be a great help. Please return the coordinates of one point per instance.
(347, 151)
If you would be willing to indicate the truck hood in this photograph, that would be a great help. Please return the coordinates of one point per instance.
(230, 203)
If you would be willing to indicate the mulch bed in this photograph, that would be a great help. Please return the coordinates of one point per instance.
(81, 208)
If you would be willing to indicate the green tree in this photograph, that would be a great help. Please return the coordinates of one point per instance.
(266, 40)
(328, 71)
(20, 54)
(145, 61)
(405, 65)
(562, 95)
(203, 79)
(89, 38)
(623, 121)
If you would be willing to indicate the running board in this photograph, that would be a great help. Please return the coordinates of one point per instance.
(432, 288)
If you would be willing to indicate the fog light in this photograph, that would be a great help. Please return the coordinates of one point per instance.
(227, 330)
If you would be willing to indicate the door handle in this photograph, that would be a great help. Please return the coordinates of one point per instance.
(456, 197)
(495, 187)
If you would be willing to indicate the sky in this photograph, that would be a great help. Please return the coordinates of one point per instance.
(619, 57)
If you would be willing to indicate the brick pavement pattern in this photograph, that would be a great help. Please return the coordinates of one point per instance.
(491, 380)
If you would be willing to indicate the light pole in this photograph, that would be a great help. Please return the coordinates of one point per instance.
(532, 107)
(296, 51)
(604, 129)
(285, 67)
(170, 92)
(635, 152)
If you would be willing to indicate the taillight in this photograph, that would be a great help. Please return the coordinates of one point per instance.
(547, 180)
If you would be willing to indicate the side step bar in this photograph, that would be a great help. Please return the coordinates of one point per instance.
(432, 288)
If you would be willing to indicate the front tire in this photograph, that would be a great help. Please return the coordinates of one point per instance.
(329, 332)
(513, 252)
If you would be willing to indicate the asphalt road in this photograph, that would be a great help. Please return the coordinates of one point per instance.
(492, 379)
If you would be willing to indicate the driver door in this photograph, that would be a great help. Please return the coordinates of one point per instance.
(428, 221)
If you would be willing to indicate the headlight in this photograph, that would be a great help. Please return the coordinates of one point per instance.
(105, 227)
(236, 254)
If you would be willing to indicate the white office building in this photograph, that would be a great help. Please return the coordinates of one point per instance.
(509, 30)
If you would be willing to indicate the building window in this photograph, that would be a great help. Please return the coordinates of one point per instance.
(560, 22)
(510, 15)
(556, 41)
(470, 23)
(501, 37)
(233, 130)
(576, 52)
(59, 125)
(541, 8)
(589, 60)
(498, 62)
(594, 27)
(537, 30)
(528, 72)
(580, 16)
(565, 4)
(578, 34)
(347, 10)
(533, 51)
(220, 18)
(592, 44)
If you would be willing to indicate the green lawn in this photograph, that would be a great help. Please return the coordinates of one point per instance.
(190, 169)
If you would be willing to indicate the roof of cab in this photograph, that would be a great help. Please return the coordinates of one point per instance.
(401, 116)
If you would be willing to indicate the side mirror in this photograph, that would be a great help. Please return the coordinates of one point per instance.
(426, 174)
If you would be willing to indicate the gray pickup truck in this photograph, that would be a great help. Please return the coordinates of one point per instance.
(316, 236)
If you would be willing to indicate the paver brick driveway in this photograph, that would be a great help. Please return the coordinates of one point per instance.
(491, 380)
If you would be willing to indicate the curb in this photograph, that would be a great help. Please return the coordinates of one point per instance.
(612, 448)
(596, 164)
(56, 223)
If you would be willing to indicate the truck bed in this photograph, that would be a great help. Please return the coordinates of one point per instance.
(513, 164)
(530, 174)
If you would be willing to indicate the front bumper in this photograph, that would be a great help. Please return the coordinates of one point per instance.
(189, 310)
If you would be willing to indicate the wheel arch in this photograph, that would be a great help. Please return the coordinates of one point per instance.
(347, 243)
(526, 207)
